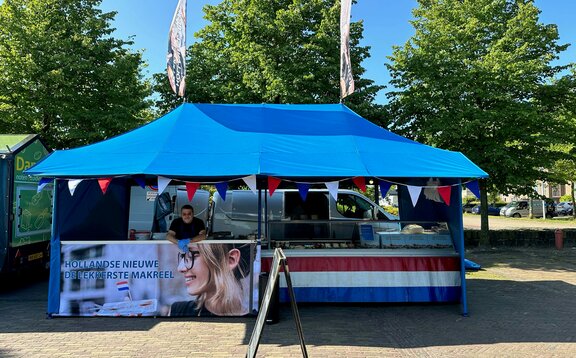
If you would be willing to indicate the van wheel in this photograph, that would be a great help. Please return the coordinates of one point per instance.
(516, 215)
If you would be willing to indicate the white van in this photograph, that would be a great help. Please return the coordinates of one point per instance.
(520, 208)
(151, 212)
(289, 217)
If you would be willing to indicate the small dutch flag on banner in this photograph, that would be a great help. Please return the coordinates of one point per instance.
(122, 286)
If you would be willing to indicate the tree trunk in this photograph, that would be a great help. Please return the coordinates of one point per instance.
(484, 229)
(572, 195)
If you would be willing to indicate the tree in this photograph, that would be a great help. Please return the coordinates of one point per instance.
(272, 51)
(63, 75)
(477, 77)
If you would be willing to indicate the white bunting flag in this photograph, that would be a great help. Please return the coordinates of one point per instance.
(333, 188)
(251, 182)
(414, 193)
(162, 184)
(72, 184)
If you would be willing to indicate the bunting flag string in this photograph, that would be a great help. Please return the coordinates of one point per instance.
(273, 184)
(435, 192)
(360, 182)
(191, 189)
(104, 183)
(222, 187)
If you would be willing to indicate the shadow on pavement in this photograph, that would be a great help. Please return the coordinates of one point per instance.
(500, 311)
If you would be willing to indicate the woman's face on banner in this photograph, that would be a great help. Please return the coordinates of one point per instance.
(196, 277)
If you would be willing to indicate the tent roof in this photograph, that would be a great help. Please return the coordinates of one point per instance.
(215, 141)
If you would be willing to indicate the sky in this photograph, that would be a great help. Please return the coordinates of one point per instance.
(386, 23)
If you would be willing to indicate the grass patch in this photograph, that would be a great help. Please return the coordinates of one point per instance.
(483, 275)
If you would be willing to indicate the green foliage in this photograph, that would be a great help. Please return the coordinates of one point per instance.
(470, 199)
(477, 78)
(567, 197)
(272, 51)
(391, 209)
(64, 76)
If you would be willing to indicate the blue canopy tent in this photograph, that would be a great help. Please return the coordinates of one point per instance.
(214, 142)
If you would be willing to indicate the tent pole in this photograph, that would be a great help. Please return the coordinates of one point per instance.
(259, 215)
(266, 234)
(55, 253)
(461, 251)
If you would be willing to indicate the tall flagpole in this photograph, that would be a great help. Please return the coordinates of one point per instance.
(346, 79)
(176, 57)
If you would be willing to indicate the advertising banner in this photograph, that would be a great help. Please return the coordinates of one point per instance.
(148, 278)
(33, 210)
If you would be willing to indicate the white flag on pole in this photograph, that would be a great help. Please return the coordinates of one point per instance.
(346, 79)
(176, 57)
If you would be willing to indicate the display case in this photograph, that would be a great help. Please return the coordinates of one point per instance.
(317, 234)
(409, 235)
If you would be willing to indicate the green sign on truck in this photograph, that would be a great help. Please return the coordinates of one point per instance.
(25, 227)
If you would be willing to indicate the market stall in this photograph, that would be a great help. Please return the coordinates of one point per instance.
(271, 146)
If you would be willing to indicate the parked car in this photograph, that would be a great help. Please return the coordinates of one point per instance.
(492, 210)
(467, 208)
(564, 208)
(520, 208)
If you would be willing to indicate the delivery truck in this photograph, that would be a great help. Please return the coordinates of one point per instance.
(25, 226)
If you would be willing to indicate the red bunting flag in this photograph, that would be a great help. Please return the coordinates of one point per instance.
(191, 189)
(273, 184)
(360, 183)
(104, 183)
(444, 192)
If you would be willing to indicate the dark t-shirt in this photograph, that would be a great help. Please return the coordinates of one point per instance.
(187, 231)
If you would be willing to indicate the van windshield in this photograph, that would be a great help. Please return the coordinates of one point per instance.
(351, 206)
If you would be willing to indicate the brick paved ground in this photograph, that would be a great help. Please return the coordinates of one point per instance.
(522, 305)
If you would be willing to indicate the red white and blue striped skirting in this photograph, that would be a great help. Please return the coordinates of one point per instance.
(372, 279)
